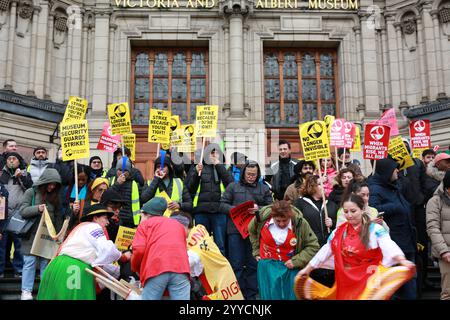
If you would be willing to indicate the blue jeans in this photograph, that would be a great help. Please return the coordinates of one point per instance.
(244, 265)
(409, 290)
(29, 270)
(17, 262)
(177, 283)
(215, 224)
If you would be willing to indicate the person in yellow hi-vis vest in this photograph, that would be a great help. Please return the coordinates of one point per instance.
(164, 180)
(130, 191)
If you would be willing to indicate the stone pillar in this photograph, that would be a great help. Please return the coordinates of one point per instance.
(84, 62)
(101, 45)
(430, 51)
(226, 76)
(11, 36)
(68, 73)
(421, 53)
(393, 60)
(76, 48)
(439, 58)
(401, 65)
(386, 77)
(361, 106)
(112, 36)
(34, 35)
(41, 47)
(49, 53)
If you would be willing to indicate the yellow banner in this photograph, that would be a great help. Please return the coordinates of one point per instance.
(206, 121)
(124, 238)
(357, 144)
(417, 153)
(398, 151)
(129, 140)
(314, 139)
(164, 195)
(159, 126)
(119, 118)
(74, 139)
(175, 131)
(217, 269)
(76, 109)
(189, 139)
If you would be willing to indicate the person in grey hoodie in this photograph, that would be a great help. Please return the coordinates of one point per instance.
(44, 193)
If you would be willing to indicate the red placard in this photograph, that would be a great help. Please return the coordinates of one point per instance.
(388, 118)
(241, 217)
(108, 142)
(349, 137)
(419, 131)
(337, 133)
(376, 141)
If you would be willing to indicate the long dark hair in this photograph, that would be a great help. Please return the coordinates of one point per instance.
(365, 225)
(353, 188)
(50, 197)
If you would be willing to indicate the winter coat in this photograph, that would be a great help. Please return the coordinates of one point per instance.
(211, 178)
(386, 197)
(28, 211)
(438, 222)
(337, 194)
(412, 183)
(316, 217)
(16, 188)
(433, 178)
(293, 192)
(277, 189)
(65, 170)
(37, 167)
(307, 244)
(149, 191)
(136, 174)
(240, 192)
(159, 246)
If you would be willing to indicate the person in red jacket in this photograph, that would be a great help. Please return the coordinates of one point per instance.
(160, 254)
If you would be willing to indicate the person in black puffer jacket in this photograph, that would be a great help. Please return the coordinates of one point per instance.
(342, 180)
(206, 192)
(135, 172)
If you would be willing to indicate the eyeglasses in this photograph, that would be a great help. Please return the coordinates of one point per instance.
(251, 174)
(102, 190)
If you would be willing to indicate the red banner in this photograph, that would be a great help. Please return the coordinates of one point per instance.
(337, 133)
(349, 136)
(419, 132)
(388, 118)
(376, 141)
(241, 217)
(108, 142)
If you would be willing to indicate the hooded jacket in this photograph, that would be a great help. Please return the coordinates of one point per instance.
(16, 186)
(307, 245)
(158, 184)
(209, 181)
(28, 211)
(438, 222)
(240, 192)
(386, 197)
(135, 173)
(433, 178)
(37, 167)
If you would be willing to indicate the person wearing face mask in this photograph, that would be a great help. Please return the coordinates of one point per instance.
(16, 181)
(43, 194)
(85, 247)
(301, 169)
(282, 243)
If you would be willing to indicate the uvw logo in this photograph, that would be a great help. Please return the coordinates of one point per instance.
(419, 126)
(377, 133)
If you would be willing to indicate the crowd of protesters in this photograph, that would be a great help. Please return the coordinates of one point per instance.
(297, 210)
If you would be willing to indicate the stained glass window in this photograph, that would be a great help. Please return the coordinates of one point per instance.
(299, 85)
(169, 79)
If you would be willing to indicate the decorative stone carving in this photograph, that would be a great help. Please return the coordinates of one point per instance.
(59, 30)
(25, 13)
(444, 18)
(235, 7)
(409, 30)
(4, 6)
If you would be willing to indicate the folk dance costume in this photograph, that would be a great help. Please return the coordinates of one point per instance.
(86, 247)
(277, 246)
(361, 273)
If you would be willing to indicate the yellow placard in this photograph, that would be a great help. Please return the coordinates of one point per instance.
(398, 151)
(314, 139)
(159, 126)
(357, 144)
(124, 238)
(189, 139)
(76, 109)
(74, 139)
(417, 153)
(175, 131)
(206, 121)
(164, 195)
(119, 118)
(129, 140)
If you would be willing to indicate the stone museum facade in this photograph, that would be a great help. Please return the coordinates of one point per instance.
(268, 64)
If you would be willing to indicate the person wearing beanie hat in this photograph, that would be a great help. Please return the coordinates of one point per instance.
(438, 228)
(95, 189)
(97, 170)
(156, 235)
(85, 247)
(165, 181)
(16, 181)
(386, 196)
(38, 163)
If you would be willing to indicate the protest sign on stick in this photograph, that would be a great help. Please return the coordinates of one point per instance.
(241, 217)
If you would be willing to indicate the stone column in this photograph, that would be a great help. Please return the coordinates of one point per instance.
(112, 51)
(439, 58)
(68, 78)
(386, 76)
(34, 35)
(84, 62)
(41, 47)
(49, 53)
(393, 60)
(401, 65)
(11, 36)
(101, 45)
(76, 48)
(361, 106)
(421, 53)
(430, 51)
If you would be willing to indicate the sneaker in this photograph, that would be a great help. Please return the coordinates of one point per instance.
(26, 295)
(17, 275)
